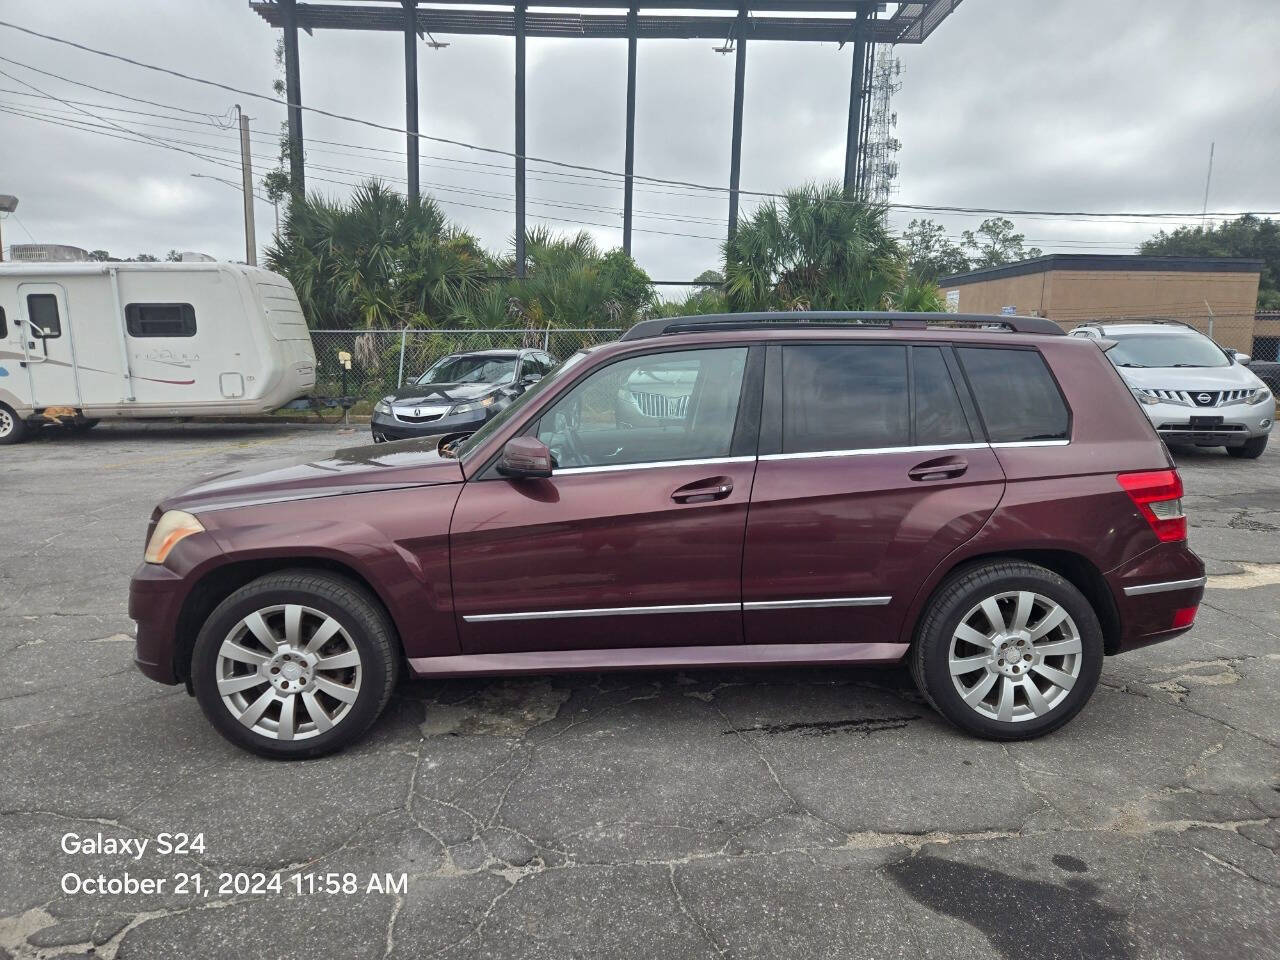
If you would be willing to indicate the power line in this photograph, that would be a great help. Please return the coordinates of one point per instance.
(930, 208)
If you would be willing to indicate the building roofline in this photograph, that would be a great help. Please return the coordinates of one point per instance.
(1097, 261)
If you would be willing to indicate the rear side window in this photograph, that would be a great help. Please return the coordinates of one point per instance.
(939, 417)
(844, 397)
(42, 311)
(1016, 394)
(160, 319)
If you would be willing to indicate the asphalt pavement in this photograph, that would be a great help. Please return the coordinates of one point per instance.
(774, 814)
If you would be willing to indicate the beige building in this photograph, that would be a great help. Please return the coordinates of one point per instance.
(1218, 293)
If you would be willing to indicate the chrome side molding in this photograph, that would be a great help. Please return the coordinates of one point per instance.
(1165, 586)
(678, 608)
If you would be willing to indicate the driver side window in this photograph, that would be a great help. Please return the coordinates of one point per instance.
(664, 406)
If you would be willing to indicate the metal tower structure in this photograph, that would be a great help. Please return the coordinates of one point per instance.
(861, 24)
(880, 151)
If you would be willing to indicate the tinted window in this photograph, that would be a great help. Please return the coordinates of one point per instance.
(843, 397)
(42, 311)
(1016, 394)
(160, 319)
(664, 406)
(4, 325)
(939, 416)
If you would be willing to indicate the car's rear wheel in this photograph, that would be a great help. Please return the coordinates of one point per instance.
(1251, 449)
(295, 664)
(1008, 650)
(12, 427)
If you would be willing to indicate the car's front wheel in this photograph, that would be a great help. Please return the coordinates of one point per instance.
(1008, 650)
(1251, 449)
(295, 664)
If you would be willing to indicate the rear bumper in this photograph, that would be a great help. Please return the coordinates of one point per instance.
(1150, 589)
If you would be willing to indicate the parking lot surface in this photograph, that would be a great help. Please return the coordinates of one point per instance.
(783, 813)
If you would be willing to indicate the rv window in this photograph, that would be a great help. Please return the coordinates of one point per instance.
(42, 312)
(160, 319)
(4, 326)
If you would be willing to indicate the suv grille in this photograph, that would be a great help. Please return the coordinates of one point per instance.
(1198, 398)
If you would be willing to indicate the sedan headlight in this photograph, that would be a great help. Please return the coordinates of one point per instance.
(472, 406)
(1261, 395)
(175, 525)
(383, 406)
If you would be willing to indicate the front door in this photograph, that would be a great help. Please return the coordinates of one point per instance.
(48, 345)
(636, 539)
(872, 470)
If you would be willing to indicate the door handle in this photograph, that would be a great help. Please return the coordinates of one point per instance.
(704, 491)
(943, 468)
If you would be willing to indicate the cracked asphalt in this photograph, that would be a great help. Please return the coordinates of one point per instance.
(786, 813)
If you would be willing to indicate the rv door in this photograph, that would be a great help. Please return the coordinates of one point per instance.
(49, 345)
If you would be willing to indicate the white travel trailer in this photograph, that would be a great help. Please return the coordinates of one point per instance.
(85, 341)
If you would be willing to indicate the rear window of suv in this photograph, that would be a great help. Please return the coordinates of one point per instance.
(845, 397)
(1017, 396)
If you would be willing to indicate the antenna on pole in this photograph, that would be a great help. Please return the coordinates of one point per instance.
(1207, 180)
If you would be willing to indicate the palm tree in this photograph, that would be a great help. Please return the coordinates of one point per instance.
(820, 249)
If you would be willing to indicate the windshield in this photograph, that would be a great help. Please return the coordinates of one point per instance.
(1166, 350)
(470, 443)
(473, 369)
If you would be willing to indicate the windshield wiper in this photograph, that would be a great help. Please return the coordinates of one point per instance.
(1198, 366)
(1141, 366)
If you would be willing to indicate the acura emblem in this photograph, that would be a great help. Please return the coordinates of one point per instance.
(418, 413)
(1204, 397)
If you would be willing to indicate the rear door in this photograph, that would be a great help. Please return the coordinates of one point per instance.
(49, 345)
(872, 469)
(636, 539)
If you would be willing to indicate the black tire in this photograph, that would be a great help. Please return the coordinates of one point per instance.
(1251, 449)
(13, 429)
(930, 654)
(82, 426)
(365, 626)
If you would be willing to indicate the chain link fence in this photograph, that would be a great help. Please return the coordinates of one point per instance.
(381, 360)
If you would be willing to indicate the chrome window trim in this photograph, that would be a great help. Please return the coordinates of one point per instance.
(1030, 443)
(604, 612)
(831, 602)
(650, 465)
(677, 608)
(1164, 586)
(926, 448)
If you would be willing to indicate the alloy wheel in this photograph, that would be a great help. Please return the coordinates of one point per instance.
(288, 672)
(1015, 656)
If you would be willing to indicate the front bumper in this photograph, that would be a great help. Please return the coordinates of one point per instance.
(386, 427)
(156, 595)
(1236, 424)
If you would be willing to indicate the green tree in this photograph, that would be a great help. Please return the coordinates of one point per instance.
(819, 250)
(996, 242)
(377, 260)
(101, 256)
(1246, 236)
(930, 253)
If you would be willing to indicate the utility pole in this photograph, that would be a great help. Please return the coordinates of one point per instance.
(8, 204)
(246, 173)
(1207, 180)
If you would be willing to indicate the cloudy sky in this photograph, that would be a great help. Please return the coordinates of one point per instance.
(1052, 104)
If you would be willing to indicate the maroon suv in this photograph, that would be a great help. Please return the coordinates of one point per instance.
(982, 498)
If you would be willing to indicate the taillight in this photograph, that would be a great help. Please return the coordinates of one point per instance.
(1158, 497)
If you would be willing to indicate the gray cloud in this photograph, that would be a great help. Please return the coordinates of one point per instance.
(1058, 105)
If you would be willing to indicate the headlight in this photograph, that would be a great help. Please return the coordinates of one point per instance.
(383, 406)
(1151, 397)
(1146, 398)
(1261, 395)
(173, 526)
(472, 406)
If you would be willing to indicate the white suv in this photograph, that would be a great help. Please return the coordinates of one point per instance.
(1194, 392)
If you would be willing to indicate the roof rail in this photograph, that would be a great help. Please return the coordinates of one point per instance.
(1117, 321)
(801, 319)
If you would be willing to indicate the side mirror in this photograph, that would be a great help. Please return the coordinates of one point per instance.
(525, 457)
(1243, 359)
(529, 379)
